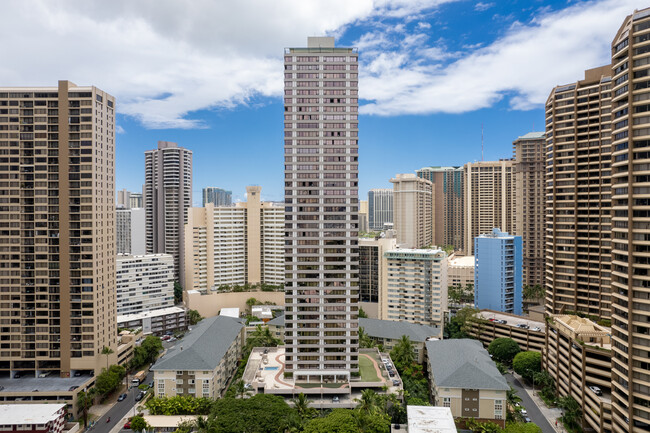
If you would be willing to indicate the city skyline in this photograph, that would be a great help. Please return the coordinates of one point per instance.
(407, 50)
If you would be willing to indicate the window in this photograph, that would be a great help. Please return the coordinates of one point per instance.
(498, 409)
(446, 402)
(179, 381)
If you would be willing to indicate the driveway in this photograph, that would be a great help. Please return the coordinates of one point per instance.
(534, 413)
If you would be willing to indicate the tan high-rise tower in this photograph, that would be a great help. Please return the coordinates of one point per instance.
(168, 194)
(322, 204)
(489, 199)
(530, 200)
(578, 196)
(57, 244)
(413, 211)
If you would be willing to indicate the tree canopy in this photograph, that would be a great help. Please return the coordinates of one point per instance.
(504, 349)
(403, 353)
(527, 364)
(147, 352)
(259, 414)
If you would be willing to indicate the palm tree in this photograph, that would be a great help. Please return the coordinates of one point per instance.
(403, 353)
(107, 351)
(368, 401)
(301, 404)
(204, 424)
(239, 388)
(85, 400)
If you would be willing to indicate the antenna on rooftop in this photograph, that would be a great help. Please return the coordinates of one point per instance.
(482, 142)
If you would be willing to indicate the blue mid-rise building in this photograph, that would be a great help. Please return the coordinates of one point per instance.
(498, 272)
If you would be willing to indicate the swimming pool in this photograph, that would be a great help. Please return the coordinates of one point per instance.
(271, 368)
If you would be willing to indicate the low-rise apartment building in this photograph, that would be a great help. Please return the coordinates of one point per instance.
(578, 356)
(33, 418)
(157, 322)
(388, 333)
(203, 362)
(144, 283)
(463, 377)
(489, 325)
(415, 286)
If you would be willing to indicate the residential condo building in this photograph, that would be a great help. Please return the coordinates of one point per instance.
(234, 245)
(57, 245)
(371, 263)
(529, 153)
(413, 211)
(144, 282)
(322, 204)
(498, 272)
(489, 199)
(216, 196)
(380, 208)
(130, 229)
(415, 286)
(168, 195)
(449, 204)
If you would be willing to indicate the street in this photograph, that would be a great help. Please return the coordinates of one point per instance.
(533, 411)
(119, 410)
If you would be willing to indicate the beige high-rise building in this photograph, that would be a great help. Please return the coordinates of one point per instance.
(578, 196)
(414, 286)
(413, 210)
(57, 245)
(371, 263)
(529, 152)
(489, 199)
(234, 245)
(168, 195)
(363, 216)
(322, 209)
(449, 204)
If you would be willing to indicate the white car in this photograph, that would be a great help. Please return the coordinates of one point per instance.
(524, 411)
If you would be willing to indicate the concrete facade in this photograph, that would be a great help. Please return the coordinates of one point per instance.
(460, 270)
(413, 211)
(380, 208)
(144, 282)
(130, 230)
(216, 196)
(57, 246)
(529, 153)
(414, 286)
(234, 245)
(489, 199)
(168, 195)
(449, 204)
(322, 204)
(371, 264)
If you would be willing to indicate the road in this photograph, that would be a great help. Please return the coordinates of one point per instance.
(119, 410)
(533, 411)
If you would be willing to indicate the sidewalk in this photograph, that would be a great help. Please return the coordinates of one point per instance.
(551, 414)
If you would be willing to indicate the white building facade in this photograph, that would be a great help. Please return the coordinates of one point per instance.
(144, 282)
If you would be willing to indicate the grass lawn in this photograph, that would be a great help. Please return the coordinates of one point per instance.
(367, 368)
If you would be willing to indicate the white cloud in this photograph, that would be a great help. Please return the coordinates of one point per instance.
(120, 130)
(527, 62)
(423, 25)
(480, 6)
(164, 59)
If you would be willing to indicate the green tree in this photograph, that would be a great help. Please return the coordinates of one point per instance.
(527, 364)
(107, 351)
(364, 339)
(250, 302)
(258, 414)
(403, 353)
(368, 401)
(362, 314)
(239, 388)
(461, 323)
(178, 293)
(503, 349)
(482, 427)
(571, 413)
(193, 317)
(138, 424)
(301, 405)
(461, 295)
(533, 292)
(85, 400)
(108, 380)
(522, 427)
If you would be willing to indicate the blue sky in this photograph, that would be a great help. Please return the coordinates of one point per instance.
(208, 74)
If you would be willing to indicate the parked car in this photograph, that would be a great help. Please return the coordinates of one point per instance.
(128, 425)
(166, 337)
(121, 397)
(596, 390)
(491, 319)
(77, 374)
(503, 322)
(151, 384)
(522, 326)
(391, 373)
(524, 411)
(536, 329)
(17, 376)
(335, 399)
(72, 388)
(140, 396)
(526, 419)
(395, 382)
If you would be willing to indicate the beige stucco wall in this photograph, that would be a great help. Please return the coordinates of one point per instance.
(210, 305)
